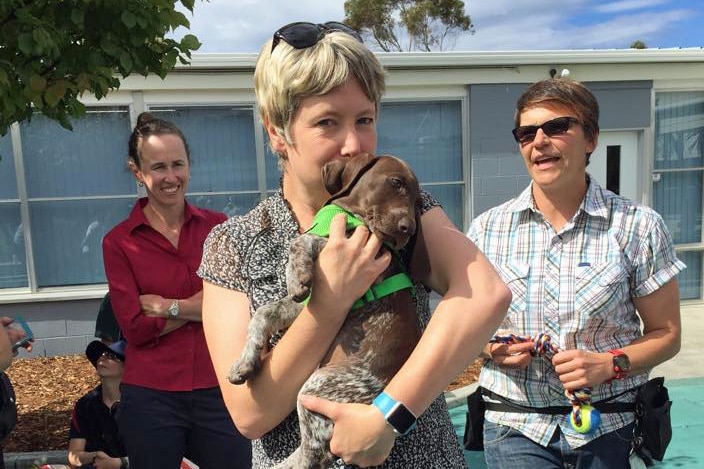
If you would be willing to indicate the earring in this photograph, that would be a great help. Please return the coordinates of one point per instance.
(140, 183)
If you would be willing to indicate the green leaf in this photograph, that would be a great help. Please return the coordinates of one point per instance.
(126, 62)
(77, 16)
(25, 43)
(188, 4)
(191, 42)
(37, 82)
(54, 93)
(128, 19)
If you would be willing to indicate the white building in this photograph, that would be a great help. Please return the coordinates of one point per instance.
(449, 114)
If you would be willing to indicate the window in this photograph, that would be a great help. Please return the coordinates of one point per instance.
(78, 188)
(678, 179)
(13, 262)
(223, 155)
(428, 135)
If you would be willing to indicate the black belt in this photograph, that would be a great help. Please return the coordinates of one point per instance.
(505, 405)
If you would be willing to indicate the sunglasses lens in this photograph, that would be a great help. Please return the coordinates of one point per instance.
(556, 126)
(337, 26)
(299, 35)
(302, 35)
(526, 133)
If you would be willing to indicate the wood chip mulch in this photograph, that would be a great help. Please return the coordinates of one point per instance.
(47, 389)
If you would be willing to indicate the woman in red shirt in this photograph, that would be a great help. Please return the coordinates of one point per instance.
(171, 405)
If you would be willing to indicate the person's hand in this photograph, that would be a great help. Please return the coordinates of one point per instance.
(511, 355)
(103, 461)
(360, 434)
(579, 369)
(14, 334)
(347, 267)
(155, 305)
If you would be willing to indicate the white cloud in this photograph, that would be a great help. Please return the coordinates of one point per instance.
(626, 5)
(244, 25)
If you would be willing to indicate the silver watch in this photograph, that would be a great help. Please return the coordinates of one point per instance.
(173, 309)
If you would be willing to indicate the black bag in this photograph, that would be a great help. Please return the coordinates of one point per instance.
(8, 409)
(474, 428)
(653, 430)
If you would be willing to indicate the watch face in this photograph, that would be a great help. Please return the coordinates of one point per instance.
(622, 362)
(401, 419)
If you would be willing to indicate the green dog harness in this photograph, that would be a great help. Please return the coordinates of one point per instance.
(390, 285)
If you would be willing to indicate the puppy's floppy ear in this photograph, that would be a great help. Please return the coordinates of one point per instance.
(332, 175)
(339, 173)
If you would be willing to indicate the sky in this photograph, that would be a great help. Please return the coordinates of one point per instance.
(232, 26)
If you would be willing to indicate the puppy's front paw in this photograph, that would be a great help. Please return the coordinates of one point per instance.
(242, 370)
(301, 291)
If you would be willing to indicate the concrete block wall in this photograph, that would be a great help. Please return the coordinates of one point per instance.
(59, 327)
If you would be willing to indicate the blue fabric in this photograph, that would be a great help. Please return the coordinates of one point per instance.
(506, 448)
(159, 428)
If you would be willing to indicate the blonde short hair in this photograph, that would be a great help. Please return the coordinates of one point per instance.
(285, 76)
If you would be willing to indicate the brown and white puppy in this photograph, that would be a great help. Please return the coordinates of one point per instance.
(376, 339)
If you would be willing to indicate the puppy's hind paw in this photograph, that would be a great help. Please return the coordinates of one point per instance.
(241, 371)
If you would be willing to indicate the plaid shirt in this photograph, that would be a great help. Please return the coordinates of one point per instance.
(577, 285)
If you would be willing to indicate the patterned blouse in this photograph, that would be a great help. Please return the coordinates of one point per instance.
(249, 254)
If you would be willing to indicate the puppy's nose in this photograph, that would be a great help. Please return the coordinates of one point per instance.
(406, 225)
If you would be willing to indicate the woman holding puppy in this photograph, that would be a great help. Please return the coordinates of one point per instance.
(318, 90)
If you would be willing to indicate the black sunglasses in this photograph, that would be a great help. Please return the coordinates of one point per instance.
(558, 126)
(302, 34)
(110, 356)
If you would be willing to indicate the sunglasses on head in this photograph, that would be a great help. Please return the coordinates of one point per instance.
(558, 126)
(302, 35)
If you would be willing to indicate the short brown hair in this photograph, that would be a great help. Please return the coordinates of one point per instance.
(566, 93)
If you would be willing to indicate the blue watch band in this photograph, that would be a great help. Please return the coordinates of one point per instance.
(395, 413)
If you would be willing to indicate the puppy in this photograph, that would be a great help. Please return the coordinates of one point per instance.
(377, 337)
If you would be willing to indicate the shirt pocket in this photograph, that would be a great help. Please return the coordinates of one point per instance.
(600, 288)
(515, 276)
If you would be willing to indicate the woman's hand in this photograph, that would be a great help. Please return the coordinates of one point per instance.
(155, 305)
(579, 369)
(360, 434)
(103, 461)
(347, 267)
(511, 355)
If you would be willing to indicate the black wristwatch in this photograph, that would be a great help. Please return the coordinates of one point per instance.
(621, 363)
(396, 414)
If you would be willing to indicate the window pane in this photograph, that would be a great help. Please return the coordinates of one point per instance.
(678, 197)
(690, 279)
(428, 135)
(679, 130)
(222, 146)
(230, 205)
(67, 238)
(273, 173)
(90, 160)
(13, 263)
(450, 196)
(8, 184)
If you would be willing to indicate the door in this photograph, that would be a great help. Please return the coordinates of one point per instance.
(614, 163)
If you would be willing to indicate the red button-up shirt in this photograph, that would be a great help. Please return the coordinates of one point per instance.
(138, 261)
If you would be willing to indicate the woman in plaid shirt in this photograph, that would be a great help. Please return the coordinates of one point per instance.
(585, 266)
